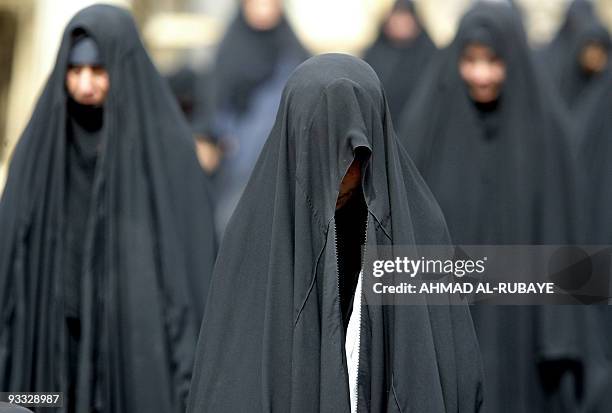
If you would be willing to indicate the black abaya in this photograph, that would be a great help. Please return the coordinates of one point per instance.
(555, 55)
(503, 175)
(247, 58)
(139, 257)
(400, 66)
(561, 59)
(594, 161)
(596, 224)
(272, 336)
(502, 172)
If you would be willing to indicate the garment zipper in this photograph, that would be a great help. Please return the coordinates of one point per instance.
(354, 392)
(358, 309)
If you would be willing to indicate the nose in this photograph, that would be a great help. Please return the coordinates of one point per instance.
(482, 73)
(85, 83)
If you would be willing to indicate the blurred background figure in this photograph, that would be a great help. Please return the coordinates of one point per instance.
(193, 91)
(256, 56)
(594, 154)
(484, 128)
(400, 54)
(578, 57)
(492, 143)
(186, 33)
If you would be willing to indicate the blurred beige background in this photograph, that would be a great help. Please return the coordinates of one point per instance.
(186, 31)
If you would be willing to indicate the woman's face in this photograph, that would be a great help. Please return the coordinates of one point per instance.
(262, 14)
(349, 184)
(483, 72)
(401, 26)
(88, 85)
(594, 58)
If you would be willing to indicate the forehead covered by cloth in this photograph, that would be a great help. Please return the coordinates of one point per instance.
(404, 5)
(84, 52)
(480, 35)
(492, 24)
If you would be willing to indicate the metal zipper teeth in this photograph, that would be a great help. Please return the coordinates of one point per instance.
(365, 246)
(340, 306)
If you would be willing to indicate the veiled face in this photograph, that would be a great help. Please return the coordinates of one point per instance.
(594, 58)
(349, 184)
(401, 26)
(262, 14)
(88, 85)
(483, 71)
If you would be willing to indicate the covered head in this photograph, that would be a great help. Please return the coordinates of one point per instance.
(148, 240)
(558, 56)
(403, 24)
(486, 43)
(400, 53)
(581, 64)
(506, 121)
(275, 290)
(87, 80)
(84, 51)
(594, 48)
(256, 43)
(262, 15)
(503, 175)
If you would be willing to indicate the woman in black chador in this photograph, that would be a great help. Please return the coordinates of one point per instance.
(491, 143)
(107, 236)
(555, 54)
(400, 54)
(284, 328)
(255, 58)
(578, 58)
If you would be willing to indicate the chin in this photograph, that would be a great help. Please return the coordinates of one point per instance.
(484, 99)
(89, 102)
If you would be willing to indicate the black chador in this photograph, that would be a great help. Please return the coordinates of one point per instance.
(107, 237)
(275, 331)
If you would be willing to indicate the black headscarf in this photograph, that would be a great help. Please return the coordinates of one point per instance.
(248, 57)
(502, 174)
(561, 58)
(147, 249)
(273, 328)
(399, 66)
(555, 54)
(193, 90)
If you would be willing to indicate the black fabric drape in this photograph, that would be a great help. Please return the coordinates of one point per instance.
(248, 57)
(595, 125)
(560, 59)
(503, 174)
(400, 66)
(272, 335)
(147, 247)
(575, 81)
(555, 55)
(594, 162)
(193, 90)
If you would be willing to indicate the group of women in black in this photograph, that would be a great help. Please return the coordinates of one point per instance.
(110, 263)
